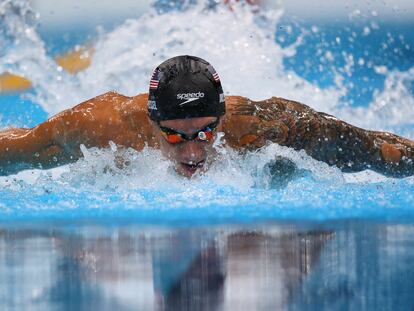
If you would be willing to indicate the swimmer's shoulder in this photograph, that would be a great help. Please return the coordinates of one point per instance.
(130, 118)
(135, 113)
(109, 102)
(246, 106)
(104, 104)
(110, 116)
(110, 106)
(135, 120)
(249, 124)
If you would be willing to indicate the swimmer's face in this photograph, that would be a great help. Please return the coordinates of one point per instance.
(188, 156)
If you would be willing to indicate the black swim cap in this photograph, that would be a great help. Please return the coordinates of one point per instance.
(185, 87)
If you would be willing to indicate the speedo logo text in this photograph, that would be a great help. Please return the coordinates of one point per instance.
(184, 96)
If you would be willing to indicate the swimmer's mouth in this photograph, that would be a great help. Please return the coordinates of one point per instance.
(192, 167)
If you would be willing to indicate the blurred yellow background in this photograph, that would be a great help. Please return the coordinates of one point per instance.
(73, 61)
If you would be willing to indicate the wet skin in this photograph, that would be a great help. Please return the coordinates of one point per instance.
(188, 156)
(247, 125)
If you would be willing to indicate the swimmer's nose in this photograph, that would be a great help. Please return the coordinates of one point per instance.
(192, 152)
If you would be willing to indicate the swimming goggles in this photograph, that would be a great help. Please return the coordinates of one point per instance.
(174, 137)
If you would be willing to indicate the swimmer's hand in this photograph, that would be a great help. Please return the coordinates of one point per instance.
(40, 147)
(28, 149)
(397, 159)
(282, 171)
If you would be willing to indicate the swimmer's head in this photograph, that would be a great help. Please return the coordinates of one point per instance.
(185, 87)
(185, 103)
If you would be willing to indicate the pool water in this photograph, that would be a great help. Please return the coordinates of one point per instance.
(337, 266)
(91, 235)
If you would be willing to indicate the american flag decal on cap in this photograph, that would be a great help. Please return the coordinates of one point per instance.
(213, 73)
(154, 80)
(216, 77)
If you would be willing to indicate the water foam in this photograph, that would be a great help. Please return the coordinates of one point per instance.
(23, 52)
(391, 107)
(244, 52)
(236, 188)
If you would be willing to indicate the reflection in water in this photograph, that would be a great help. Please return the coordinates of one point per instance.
(358, 266)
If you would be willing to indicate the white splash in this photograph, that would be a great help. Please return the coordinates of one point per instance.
(22, 52)
(392, 106)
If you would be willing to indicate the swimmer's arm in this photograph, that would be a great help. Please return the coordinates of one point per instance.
(44, 146)
(22, 148)
(56, 141)
(328, 139)
(353, 149)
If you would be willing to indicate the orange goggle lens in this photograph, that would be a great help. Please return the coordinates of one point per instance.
(173, 138)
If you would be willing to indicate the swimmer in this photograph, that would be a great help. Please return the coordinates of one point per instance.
(182, 114)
